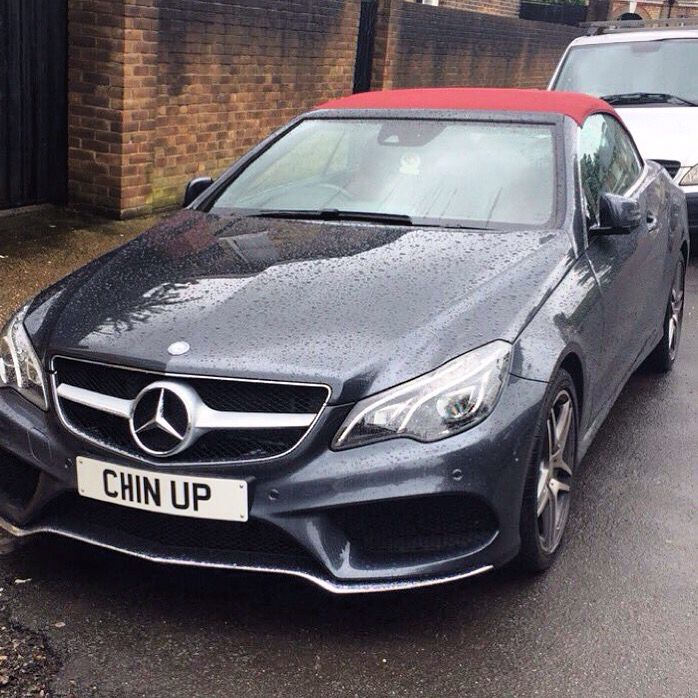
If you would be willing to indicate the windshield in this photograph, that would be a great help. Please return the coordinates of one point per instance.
(476, 174)
(638, 69)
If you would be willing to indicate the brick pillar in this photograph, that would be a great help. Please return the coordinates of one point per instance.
(95, 102)
(112, 87)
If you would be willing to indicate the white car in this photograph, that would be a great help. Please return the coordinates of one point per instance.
(650, 77)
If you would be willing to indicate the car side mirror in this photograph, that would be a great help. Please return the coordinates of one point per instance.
(196, 187)
(618, 215)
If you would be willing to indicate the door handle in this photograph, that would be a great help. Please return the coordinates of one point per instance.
(651, 222)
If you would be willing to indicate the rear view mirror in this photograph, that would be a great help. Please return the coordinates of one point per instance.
(618, 215)
(195, 188)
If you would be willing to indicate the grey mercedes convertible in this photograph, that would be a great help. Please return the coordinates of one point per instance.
(371, 354)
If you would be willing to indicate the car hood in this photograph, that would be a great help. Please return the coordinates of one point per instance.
(664, 133)
(356, 306)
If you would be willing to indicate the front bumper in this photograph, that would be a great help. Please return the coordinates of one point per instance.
(313, 514)
(223, 562)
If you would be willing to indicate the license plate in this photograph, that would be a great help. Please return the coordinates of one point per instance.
(177, 495)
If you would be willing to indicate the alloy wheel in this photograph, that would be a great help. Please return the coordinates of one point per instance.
(676, 310)
(555, 473)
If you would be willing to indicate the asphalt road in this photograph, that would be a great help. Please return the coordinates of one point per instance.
(617, 616)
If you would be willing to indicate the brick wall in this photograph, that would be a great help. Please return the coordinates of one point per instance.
(229, 74)
(181, 87)
(436, 46)
(163, 90)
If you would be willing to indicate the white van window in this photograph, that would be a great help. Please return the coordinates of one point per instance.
(641, 72)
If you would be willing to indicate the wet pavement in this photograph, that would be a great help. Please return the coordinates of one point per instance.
(44, 244)
(616, 617)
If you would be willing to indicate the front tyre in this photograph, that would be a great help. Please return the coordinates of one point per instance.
(662, 358)
(546, 502)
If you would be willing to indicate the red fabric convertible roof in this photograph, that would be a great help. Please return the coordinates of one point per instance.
(577, 106)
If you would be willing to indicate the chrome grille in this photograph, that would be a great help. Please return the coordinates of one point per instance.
(243, 420)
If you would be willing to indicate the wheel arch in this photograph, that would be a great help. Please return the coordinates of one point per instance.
(572, 363)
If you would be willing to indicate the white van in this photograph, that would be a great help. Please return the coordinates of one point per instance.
(650, 76)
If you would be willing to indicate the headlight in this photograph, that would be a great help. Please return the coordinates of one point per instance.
(691, 177)
(444, 402)
(19, 367)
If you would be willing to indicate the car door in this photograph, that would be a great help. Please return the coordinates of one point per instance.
(652, 193)
(625, 266)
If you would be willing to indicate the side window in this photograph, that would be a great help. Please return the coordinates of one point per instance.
(591, 142)
(626, 164)
(608, 160)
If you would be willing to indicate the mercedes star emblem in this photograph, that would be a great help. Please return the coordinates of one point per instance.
(161, 421)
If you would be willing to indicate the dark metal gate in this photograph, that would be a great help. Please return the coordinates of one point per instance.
(33, 102)
(365, 46)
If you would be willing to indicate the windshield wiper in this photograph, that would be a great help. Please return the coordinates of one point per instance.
(333, 214)
(647, 98)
